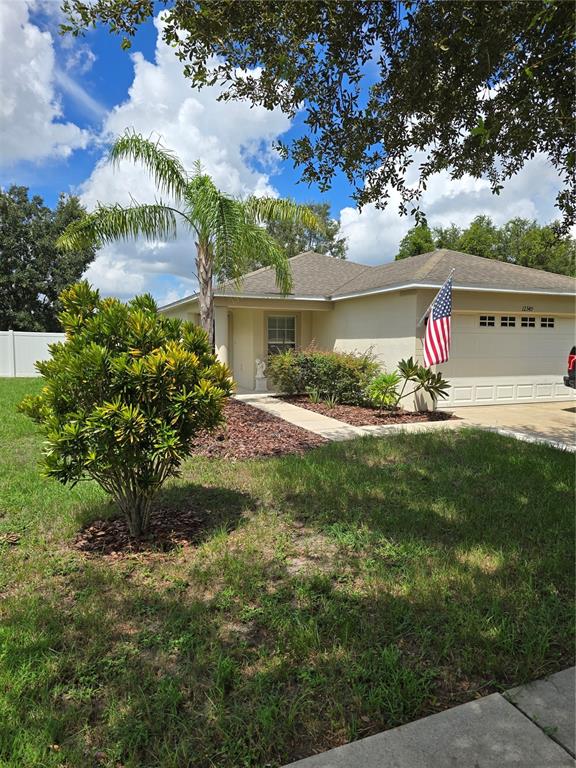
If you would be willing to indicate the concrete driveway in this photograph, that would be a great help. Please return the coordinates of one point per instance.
(551, 421)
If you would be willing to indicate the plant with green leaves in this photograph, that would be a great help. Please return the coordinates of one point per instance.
(334, 377)
(124, 396)
(422, 379)
(384, 90)
(227, 231)
(382, 391)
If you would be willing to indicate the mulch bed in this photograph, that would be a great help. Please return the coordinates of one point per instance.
(179, 527)
(362, 416)
(250, 433)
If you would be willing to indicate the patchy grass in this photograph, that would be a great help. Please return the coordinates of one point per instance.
(329, 596)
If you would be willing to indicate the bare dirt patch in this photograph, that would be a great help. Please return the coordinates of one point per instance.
(250, 433)
(363, 416)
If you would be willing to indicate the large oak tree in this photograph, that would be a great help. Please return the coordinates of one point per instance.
(477, 87)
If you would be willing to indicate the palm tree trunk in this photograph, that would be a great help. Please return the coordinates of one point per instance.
(205, 269)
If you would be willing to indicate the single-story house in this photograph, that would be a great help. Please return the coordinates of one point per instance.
(512, 327)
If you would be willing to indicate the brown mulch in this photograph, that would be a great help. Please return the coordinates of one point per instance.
(179, 527)
(250, 433)
(362, 416)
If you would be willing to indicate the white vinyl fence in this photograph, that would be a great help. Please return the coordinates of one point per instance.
(19, 350)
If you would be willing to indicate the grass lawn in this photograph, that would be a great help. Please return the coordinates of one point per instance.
(330, 596)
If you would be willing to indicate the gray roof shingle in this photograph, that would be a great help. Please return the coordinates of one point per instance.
(315, 274)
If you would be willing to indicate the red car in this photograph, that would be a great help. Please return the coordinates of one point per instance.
(570, 380)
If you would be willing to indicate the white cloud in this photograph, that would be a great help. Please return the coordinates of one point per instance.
(82, 98)
(80, 60)
(374, 235)
(30, 113)
(224, 136)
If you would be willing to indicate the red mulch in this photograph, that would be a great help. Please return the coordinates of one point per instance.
(250, 433)
(362, 416)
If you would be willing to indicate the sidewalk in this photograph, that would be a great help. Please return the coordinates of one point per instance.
(332, 429)
(531, 726)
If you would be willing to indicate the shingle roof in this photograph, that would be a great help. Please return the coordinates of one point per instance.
(470, 272)
(313, 274)
(318, 275)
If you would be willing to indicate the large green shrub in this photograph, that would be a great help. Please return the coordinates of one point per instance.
(124, 395)
(340, 377)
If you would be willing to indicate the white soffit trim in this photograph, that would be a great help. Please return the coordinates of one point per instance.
(477, 288)
(373, 292)
(262, 296)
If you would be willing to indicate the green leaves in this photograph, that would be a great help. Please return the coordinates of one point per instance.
(125, 395)
(163, 165)
(382, 390)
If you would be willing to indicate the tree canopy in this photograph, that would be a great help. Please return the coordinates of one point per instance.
(296, 237)
(33, 270)
(519, 241)
(472, 87)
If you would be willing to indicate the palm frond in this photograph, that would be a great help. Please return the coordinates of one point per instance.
(109, 223)
(162, 164)
(264, 209)
(240, 242)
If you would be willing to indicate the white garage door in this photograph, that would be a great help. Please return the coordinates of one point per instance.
(499, 359)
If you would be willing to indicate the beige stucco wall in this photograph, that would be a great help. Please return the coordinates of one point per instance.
(249, 338)
(384, 323)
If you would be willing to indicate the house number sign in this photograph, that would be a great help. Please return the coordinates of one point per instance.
(527, 308)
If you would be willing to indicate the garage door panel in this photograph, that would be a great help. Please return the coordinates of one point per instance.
(490, 365)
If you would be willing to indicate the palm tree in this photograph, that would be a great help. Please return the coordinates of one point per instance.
(228, 232)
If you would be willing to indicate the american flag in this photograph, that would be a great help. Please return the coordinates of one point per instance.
(438, 328)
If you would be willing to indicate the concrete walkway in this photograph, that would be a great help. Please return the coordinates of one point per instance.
(528, 727)
(333, 429)
(548, 423)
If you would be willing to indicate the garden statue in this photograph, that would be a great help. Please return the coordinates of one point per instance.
(261, 380)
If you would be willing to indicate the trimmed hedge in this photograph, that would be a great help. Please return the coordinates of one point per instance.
(341, 377)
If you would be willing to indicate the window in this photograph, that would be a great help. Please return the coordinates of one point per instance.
(508, 321)
(281, 334)
(546, 322)
(487, 321)
(528, 322)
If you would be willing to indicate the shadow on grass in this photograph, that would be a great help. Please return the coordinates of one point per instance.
(442, 488)
(182, 514)
(119, 673)
(450, 576)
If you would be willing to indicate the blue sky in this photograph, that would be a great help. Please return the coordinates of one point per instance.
(64, 100)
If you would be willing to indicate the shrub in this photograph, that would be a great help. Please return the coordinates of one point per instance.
(283, 370)
(338, 377)
(124, 395)
(383, 392)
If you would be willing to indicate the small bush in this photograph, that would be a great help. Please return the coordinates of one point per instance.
(338, 377)
(124, 395)
(383, 392)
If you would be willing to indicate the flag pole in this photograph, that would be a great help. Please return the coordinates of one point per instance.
(434, 299)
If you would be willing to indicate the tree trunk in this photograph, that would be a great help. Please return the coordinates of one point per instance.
(205, 270)
(136, 509)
